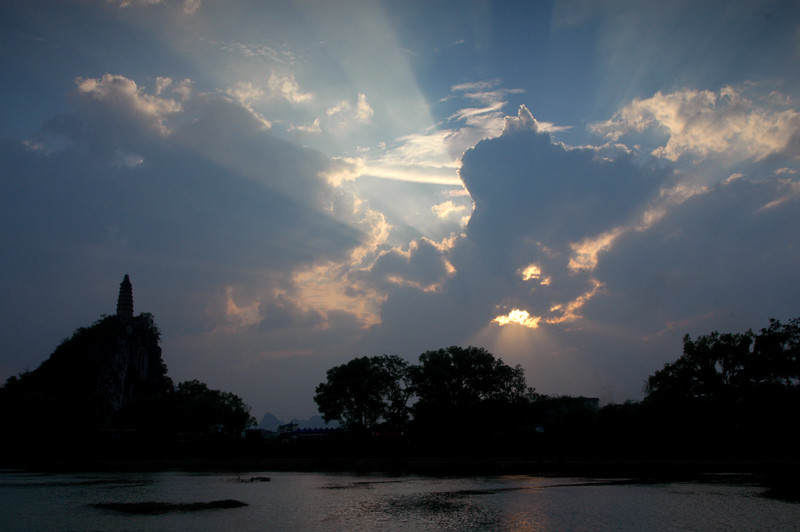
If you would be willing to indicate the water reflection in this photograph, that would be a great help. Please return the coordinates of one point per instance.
(331, 502)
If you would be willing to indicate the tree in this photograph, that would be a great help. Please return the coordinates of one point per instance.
(776, 355)
(456, 385)
(710, 367)
(202, 410)
(725, 366)
(87, 379)
(729, 392)
(398, 392)
(365, 391)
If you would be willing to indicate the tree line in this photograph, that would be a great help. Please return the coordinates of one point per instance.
(447, 387)
(729, 394)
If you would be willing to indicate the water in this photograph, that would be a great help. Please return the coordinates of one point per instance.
(311, 502)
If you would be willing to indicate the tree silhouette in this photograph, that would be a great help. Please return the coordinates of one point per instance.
(456, 384)
(201, 410)
(364, 391)
(729, 393)
(721, 366)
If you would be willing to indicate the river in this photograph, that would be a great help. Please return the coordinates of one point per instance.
(311, 502)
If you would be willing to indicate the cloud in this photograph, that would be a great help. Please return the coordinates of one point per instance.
(286, 87)
(262, 51)
(728, 252)
(586, 266)
(344, 110)
(433, 155)
(314, 127)
(126, 3)
(579, 210)
(447, 208)
(475, 86)
(122, 95)
(247, 94)
(161, 84)
(569, 194)
(484, 91)
(471, 113)
(343, 169)
(363, 110)
(423, 158)
(427, 148)
(429, 155)
(326, 288)
(545, 216)
(189, 6)
(536, 203)
(703, 123)
(211, 215)
(486, 121)
(422, 266)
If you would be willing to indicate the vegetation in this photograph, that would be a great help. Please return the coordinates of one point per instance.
(730, 392)
(728, 395)
(456, 386)
(189, 411)
(732, 367)
(200, 410)
(366, 390)
(70, 396)
(450, 387)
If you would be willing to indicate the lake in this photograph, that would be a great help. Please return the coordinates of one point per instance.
(311, 502)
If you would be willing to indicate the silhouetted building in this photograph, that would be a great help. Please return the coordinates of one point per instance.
(125, 299)
(287, 428)
(131, 367)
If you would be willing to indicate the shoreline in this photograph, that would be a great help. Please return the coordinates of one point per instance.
(591, 468)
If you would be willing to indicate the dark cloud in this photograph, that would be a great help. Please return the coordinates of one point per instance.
(729, 254)
(534, 200)
(422, 266)
(722, 258)
(524, 184)
(210, 198)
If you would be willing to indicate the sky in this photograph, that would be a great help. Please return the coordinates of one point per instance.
(573, 185)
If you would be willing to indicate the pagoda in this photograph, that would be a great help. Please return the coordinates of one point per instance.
(125, 299)
(131, 366)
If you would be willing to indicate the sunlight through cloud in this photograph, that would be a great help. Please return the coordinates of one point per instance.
(534, 272)
(586, 251)
(521, 317)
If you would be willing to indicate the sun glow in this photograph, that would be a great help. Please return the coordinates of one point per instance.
(570, 311)
(521, 317)
(535, 273)
(585, 252)
(564, 312)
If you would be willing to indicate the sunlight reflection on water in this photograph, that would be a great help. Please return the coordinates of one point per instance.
(332, 502)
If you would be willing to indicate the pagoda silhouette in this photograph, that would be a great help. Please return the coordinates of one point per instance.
(131, 367)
